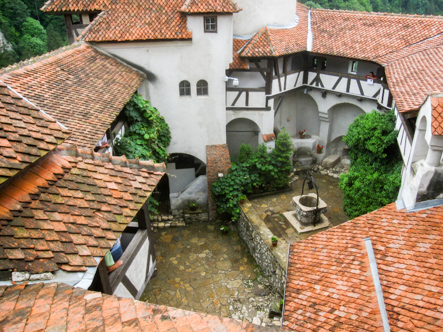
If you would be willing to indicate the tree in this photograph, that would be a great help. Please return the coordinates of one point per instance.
(374, 177)
(55, 40)
(34, 39)
(15, 11)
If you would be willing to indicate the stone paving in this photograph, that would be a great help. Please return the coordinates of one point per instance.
(202, 270)
(271, 207)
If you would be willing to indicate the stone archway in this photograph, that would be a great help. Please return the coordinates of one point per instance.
(241, 131)
(340, 117)
(298, 111)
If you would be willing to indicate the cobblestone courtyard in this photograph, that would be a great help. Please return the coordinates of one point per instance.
(200, 269)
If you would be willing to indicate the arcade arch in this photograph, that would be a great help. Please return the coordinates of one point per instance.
(241, 131)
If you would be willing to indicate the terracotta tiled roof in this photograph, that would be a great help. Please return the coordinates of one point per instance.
(237, 61)
(413, 77)
(329, 283)
(133, 20)
(277, 42)
(70, 207)
(26, 133)
(209, 6)
(368, 36)
(78, 86)
(74, 6)
(437, 115)
(59, 307)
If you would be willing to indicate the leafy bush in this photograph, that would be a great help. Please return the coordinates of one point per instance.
(374, 177)
(245, 153)
(148, 135)
(263, 171)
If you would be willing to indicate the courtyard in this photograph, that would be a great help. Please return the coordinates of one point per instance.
(202, 270)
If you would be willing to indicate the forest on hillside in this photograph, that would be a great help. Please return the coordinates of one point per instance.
(420, 7)
(28, 31)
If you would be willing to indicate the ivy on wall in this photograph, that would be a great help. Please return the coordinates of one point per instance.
(148, 135)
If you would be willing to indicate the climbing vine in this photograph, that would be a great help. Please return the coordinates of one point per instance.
(148, 135)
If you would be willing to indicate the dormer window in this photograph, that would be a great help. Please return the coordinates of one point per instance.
(210, 23)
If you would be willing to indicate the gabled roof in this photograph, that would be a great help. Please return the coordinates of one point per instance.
(79, 86)
(329, 283)
(74, 6)
(274, 42)
(210, 6)
(437, 115)
(59, 307)
(130, 20)
(26, 133)
(69, 208)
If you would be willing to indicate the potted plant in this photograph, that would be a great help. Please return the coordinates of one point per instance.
(224, 229)
(302, 133)
(193, 206)
(274, 241)
(320, 149)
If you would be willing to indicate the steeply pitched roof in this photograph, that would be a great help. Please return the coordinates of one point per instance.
(437, 115)
(74, 6)
(274, 42)
(59, 307)
(79, 86)
(368, 36)
(329, 283)
(131, 20)
(26, 134)
(413, 77)
(210, 6)
(237, 61)
(70, 207)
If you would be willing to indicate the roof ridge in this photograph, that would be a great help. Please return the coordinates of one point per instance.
(268, 35)
(375, 13)
(85, 153)
(409, 46)
(91, 25)
(40, 58)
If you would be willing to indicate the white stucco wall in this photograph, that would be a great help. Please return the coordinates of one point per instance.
(195, 121)
(258, 13)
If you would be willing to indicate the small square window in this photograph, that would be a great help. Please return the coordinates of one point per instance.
(210, 23)
(353, 65)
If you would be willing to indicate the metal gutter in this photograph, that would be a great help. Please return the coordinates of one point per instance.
(377, 285)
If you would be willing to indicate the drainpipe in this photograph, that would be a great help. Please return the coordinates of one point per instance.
(377, 285)
(310, 37)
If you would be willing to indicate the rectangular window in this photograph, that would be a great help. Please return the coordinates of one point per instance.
(210, 23)
(353, 67)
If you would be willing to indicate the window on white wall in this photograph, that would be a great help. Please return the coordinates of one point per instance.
(202, 88)
(185, 88)
(210, 23)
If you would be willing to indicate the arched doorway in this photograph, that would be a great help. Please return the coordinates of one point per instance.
(241, 131)
(341, 116)
(298, 111)
(187, 181)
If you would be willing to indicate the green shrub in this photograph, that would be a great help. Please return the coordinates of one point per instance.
(148, 135)
(262, 171)
(245, 153)
(374, 177)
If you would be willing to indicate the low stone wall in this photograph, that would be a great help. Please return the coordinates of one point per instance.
(257, 237)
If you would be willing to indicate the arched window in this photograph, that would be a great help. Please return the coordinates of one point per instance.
(184, 88)
(202, 88)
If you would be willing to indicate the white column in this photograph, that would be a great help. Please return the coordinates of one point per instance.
(433, 157)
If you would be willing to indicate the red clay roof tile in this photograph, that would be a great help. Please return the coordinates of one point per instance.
(437, 115)
(329, 283)
(71, 231)
(58, 306)
(210, 6)
(86, 98)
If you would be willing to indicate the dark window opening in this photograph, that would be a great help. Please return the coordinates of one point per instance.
(185, 88)
(210, 23)
(202, 88)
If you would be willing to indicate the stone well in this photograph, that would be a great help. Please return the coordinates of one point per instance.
(306, 209)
